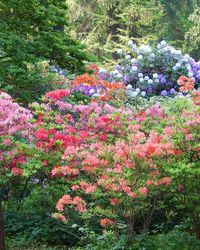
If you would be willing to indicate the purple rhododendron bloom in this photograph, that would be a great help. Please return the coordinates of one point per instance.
(172, 91)
(35, 180)
(149, 91)
(164, 93)
(171, 83)
(163, 80)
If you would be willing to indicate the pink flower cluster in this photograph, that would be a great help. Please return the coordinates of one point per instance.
(78, 202)
(57, 94)
(15, 122)
(13, 118)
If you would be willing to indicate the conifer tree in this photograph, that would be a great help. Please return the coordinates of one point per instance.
(31, 31)
(193, 35)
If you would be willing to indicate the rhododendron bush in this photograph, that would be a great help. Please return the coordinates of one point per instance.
(15, 137)
(118, 164)
(16, 133)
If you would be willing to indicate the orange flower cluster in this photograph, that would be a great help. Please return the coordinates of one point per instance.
(113, 86)
(196, 97)
(107, 89)
(85, 79)
(91, 80)
(186, 84)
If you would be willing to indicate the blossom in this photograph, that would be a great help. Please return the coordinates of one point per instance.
(143, 93)
(57, 94)
(143, 191)
(106, 222)
(17, 171)
(164, 93)
(41, 134)
(114, 201)
(80, 204)
(14, 118)
(65, 200)
(186, 84)
(75, 187)
(7, 142)
(165, 181)
(172, 91)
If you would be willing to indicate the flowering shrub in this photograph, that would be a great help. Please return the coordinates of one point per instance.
(186, 84)
(114, 161)
(148, 71)
(91, 85)
(15, 126)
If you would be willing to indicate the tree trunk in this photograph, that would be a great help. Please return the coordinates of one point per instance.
(2, 240)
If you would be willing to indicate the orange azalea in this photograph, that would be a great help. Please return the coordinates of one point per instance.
(186, 83)
(196, 97)
(86, 79)
(91, 80)
(112, 86)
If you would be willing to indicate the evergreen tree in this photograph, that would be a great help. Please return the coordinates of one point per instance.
(103, 24)
(175, 21)
(32, 31)
(193, 35)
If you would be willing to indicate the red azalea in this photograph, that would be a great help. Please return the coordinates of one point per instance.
(57, 94)
(17, 171)
(105, 222)
(41, 134)
(103, 137)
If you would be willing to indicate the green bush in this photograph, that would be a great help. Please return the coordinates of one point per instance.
(173, 240)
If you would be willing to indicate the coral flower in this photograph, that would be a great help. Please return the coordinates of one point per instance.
(186, 84)
(196, 97)
(17, 171)
(143, 191)
(105, 222)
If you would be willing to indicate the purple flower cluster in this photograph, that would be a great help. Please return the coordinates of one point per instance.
(149, 71)
(92, 91)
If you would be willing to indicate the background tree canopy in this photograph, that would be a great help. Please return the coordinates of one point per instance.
(105, 23)
(32, 31)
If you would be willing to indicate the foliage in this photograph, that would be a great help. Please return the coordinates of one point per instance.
(175, 20)
(173, 240)
(102, 24)
(34, 32)
(193, 35)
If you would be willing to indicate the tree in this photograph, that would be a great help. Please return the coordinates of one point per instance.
(102, 24)
(32, 31)
(193, 35)
(175, 20)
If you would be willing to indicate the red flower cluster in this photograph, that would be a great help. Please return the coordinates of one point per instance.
(57, 94)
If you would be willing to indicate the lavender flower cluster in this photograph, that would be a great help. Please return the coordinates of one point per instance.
(91, 91)
(60, 72)
(149, 71)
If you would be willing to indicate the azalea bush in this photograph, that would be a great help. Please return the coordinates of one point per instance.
(15, 137)
(118, 166)
(148, 71)
(15, 132)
